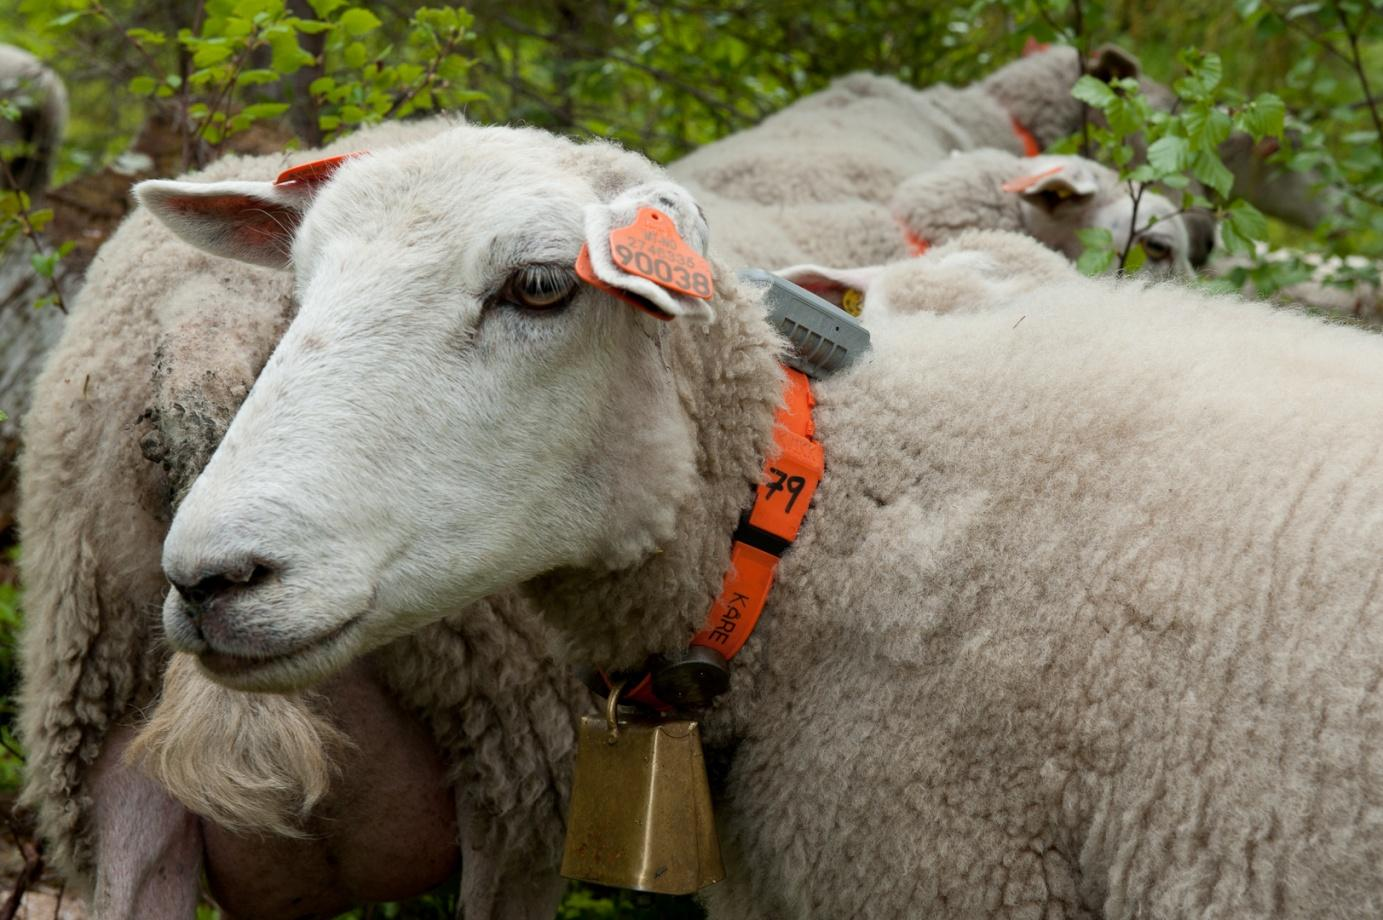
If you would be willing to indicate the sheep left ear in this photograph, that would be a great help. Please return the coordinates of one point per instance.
(648, 247)
(250, 221)
(1049, 184)
(844, 287)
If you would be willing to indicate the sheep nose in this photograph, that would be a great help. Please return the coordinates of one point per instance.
(201, 590)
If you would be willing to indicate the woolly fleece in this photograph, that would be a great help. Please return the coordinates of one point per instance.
(1083, 622)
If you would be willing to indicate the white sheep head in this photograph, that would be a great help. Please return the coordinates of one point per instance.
(450, 412)
(1063, 194)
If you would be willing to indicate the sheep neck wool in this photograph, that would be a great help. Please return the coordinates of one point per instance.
(781, 500)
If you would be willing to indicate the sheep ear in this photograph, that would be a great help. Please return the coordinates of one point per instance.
(1047, 184)
(844, 287)
(250, 221)
(1111, 62)
(648, 247)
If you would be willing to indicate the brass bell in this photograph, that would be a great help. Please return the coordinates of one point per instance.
(640, 813)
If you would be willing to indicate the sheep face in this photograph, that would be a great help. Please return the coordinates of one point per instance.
(1061, 194)
(450, 413)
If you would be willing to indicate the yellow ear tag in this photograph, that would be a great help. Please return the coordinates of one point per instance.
(852, 301)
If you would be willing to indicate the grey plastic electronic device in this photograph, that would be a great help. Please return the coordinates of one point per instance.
(824, 337)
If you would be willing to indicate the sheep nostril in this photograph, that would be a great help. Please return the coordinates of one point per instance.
(202, 592)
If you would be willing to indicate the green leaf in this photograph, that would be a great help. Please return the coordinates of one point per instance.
(146, 36)
(288, 56)
(1247, 220)
(1206, 126)
(65, 20)
(212, 51)
(310, 26)
(359, 21)
(324, 8)
(257, 77)
(1264, 117)
(355, 55)
(1094, 92)
(1169, 155)
(262, 110)
(40, 219)
(1125, 116)
(1098, 256)
(143, 86)
(1135, 258)
(1206, 166)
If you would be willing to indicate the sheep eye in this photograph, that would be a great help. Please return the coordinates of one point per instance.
(1155, 248)
(539, 287)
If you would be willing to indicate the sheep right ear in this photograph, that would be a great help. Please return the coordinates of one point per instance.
(1110, 62)
(250, 221)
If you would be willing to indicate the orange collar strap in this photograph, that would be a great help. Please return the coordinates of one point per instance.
(781, 501)
(1031, 147)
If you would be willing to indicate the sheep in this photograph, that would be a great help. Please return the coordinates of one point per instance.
(1047, 197)
(1342, 285)
(1082, 621)
(130, 405)
(30, 144)
(866, 133)
(1051, 197)
(821, 181)
(28, 147)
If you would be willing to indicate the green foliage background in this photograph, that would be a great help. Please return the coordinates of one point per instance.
(666, 77)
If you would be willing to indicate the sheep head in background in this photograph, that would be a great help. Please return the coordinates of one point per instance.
(30, 144)
(1051, 198)
(1060, 195)
(443, 417)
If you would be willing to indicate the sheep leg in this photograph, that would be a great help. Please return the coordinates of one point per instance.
(148, 846)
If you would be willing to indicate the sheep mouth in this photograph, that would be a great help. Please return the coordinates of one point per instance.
(232, 665)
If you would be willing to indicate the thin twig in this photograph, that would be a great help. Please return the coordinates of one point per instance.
(715, 106)
(224, 97)
(22, 215)
(33, 869)
(426, 80)
(1133, 223)
(1327, 46)
(1352, 33)
(17, 755)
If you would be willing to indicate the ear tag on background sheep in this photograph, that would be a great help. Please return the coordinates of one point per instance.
(640, 813)
(651, 248)
(315, 172)
(1023, 183)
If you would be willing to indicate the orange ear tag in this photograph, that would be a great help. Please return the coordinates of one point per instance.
(1023, 183)
(315, 172)
(652, 248)
(586, 272)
